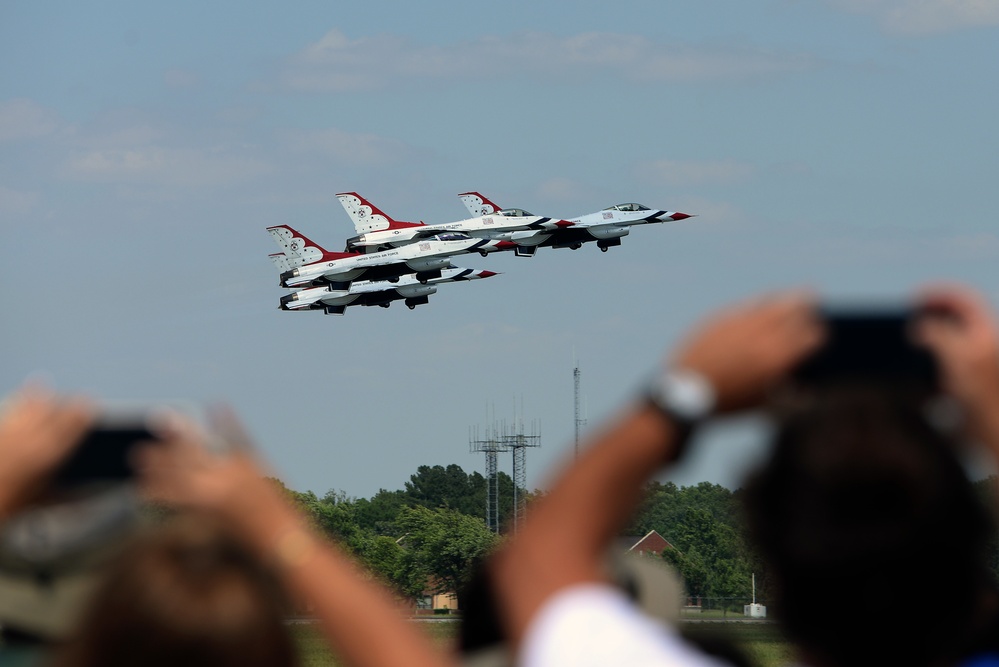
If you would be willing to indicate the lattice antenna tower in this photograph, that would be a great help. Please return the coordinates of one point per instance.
(491, 442)
(518, 440)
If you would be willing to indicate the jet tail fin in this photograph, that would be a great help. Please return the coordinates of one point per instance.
(477, 204)
(285, 263)
(367, 217)
(299, 248)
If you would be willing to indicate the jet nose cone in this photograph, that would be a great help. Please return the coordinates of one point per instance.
(487, 274)
(564, 223)
(505, 245)
(680, 216)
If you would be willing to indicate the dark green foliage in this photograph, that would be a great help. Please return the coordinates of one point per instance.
(434, 487)
(437, 486)
(702, 523)
(429, 531)
(378, 514)
(442, 547)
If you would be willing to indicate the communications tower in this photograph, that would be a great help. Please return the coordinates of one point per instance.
(518, 441)
(505, 438)
(491, 443)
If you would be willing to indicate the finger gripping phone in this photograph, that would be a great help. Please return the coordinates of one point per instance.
(870, 344)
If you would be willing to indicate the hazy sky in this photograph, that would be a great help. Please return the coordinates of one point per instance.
(848, 145)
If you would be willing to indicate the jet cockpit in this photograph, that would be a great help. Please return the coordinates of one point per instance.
(451, 236)
(514, 213)
(628, 208)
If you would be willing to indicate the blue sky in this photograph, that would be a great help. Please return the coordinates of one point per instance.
(847, 145)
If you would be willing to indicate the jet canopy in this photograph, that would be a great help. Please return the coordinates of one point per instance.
(514, 213)
(451, 236)
(628, 208)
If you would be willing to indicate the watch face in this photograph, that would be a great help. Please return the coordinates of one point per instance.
(686, 394)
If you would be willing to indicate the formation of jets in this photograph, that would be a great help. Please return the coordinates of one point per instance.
(390, 260)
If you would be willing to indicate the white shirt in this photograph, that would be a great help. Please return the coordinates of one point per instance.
(598, 625)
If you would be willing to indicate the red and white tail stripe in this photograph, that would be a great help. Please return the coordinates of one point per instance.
(477, 204)
(367, 217)
(299, 248)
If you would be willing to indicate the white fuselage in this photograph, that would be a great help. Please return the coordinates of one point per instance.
(424, 255)
(612, 218)
(500, 226)
(408, 286)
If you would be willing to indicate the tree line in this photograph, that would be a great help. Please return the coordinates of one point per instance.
(429, 536)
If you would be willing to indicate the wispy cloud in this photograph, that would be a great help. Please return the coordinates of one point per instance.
(678, 173)
(188, 167)
(337, 63)
(363, 148)
(134, 147)
(562, 189)
(16, 201)
(180, 78)
(25, 119)
(921, 17)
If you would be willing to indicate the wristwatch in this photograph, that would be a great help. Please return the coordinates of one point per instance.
(685, 397)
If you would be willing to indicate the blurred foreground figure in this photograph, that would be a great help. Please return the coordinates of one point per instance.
(870, 525)
(187, 592)
(206, 588)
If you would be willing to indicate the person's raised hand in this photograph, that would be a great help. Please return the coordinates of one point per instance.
(183, 470)
(37, 432)
(746, 350)
(958, 326)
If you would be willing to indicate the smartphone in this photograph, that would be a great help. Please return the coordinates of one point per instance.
(105, 453)
(870, 344)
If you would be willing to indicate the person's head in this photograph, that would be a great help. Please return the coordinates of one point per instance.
(871, 530)
(183, 593)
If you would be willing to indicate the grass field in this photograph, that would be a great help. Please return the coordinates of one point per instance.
(762, 643)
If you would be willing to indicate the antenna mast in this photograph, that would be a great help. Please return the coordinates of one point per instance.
(578, 420)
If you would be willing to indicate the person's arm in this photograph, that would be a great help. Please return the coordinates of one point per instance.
(362, 621)
(741, 354)
(961, 330)
(37, 431)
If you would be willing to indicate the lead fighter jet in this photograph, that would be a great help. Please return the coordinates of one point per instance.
(309, 264)
(378, 231)
(606, 227)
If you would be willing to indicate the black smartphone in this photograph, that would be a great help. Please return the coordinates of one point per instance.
(104, 454)
(870, 344)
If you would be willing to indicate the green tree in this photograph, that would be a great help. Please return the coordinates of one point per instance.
(382, 556)
(335, 516)
(377, 514)
(704, 524)
(690, 566)
(441, 549)
(437, 486)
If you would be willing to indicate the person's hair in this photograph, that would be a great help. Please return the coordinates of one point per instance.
(871, 531)
(185, 592)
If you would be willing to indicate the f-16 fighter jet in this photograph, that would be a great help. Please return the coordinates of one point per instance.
(320, 267)
(377, 231)
(376, 292)
(606, 227)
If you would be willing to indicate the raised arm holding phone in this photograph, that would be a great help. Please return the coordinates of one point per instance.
(549, 580)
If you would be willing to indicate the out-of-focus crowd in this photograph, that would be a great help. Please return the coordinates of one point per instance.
(864, 490)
